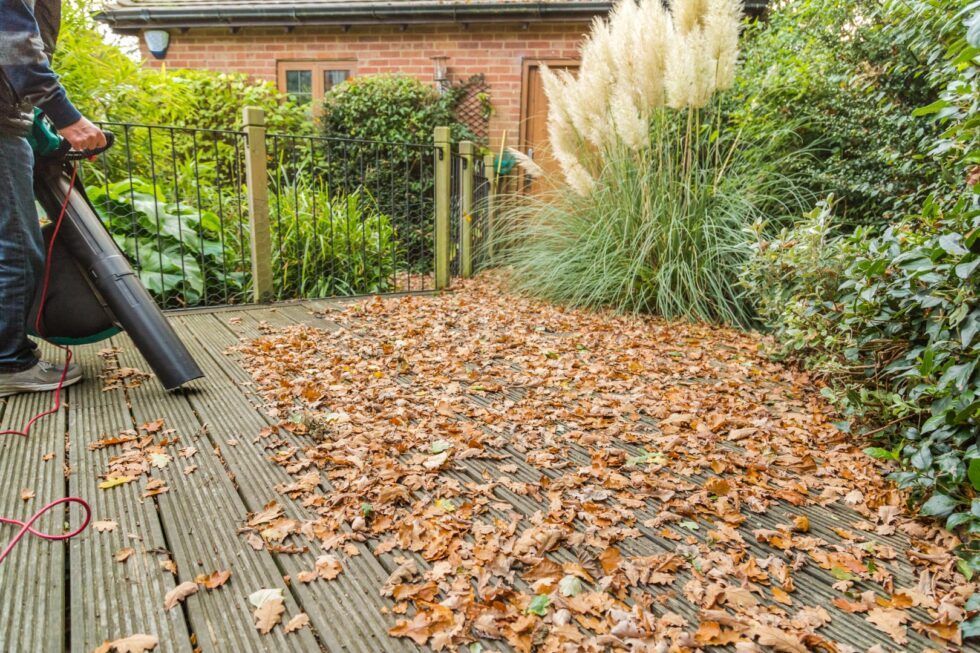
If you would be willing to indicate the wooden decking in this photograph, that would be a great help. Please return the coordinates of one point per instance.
(74, 597)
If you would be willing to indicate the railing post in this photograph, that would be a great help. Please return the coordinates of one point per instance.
(443, 182)
(257, 188)
(489, 236)
(466, 152)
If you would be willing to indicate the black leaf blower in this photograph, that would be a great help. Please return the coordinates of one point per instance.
(92, 292)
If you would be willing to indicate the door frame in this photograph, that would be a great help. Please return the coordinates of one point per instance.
(526, 65)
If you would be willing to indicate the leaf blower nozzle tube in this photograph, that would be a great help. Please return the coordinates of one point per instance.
(110, 274)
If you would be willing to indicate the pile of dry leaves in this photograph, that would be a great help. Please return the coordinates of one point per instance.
(558, 480)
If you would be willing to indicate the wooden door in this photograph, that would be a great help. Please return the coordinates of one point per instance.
(534, 132)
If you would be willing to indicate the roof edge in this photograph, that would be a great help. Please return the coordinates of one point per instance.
(349, 13)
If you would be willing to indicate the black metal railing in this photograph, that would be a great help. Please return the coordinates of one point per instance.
(350, 217)
(458, 165)
(480, 220)
(172, 198)
(346, 217)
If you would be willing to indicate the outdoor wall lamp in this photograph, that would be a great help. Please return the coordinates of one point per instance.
(440, 72)
(157, 41)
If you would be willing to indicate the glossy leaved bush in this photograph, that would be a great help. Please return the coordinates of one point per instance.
(888, 314)
(892, 321)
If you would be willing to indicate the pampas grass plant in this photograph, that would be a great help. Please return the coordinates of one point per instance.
(656, 193)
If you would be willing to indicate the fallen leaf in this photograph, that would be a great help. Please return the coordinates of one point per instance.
(154, 487)
(779, 641)
(104, 526)
(539, 605)
(258, 597)
(152, 427)
(891, 622)
(26, 495)
(159, 460)
(178, 594)
(782, 596)
(610, 559)
(328, 567)
(213, 580)
(801, 524)
(299, 621)
(570, 586)
(268, 614)
(131, 644)
(437, 461)
(115, 481)
(122, 555)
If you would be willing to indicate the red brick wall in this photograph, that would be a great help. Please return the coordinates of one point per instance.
(496, 50)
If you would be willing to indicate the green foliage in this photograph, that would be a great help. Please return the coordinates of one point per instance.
(105, 83)
(889, 315)
(328, 245)
(181, 253)
(382, 119)
(850, 74)
(390, 108)
(662, 231)
(893, 321)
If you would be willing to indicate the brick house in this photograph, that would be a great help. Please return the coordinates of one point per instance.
(306, 46)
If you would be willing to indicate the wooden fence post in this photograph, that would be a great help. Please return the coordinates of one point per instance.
(489, 236)
(443, 181)
(466, 151)
(257, 188)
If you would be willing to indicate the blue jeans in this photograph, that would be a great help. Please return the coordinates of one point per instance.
(21, 252)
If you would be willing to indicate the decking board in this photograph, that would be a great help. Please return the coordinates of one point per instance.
(201, 513)
(347, 610)
(32, 607)
(110, 599)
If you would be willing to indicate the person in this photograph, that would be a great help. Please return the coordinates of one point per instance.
(28, 32)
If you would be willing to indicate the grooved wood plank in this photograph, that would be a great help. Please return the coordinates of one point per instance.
(201, 514)
(346, 611)
(109, 599)
(32, 591)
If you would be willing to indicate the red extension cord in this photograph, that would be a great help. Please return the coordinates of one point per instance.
(27, 527)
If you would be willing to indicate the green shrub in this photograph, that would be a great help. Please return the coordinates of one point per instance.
(330, 244)
(892, 321)
(105, 83)
(390, 108)
(850, 74)
(182, 254)
(379, 119)
(889, 315)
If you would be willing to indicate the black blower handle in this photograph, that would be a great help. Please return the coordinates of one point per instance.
(80, 155)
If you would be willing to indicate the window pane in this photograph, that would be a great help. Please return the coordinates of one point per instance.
(333, 77)
(299, 85)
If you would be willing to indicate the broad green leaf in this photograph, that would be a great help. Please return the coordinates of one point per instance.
(939, 505)
(841, 574)
(973, 473)
(973, 603)
(971, 628)
(935, 107)
(878, 452)
(539, 605)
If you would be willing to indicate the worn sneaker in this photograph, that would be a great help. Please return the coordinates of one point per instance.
(40, 378)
